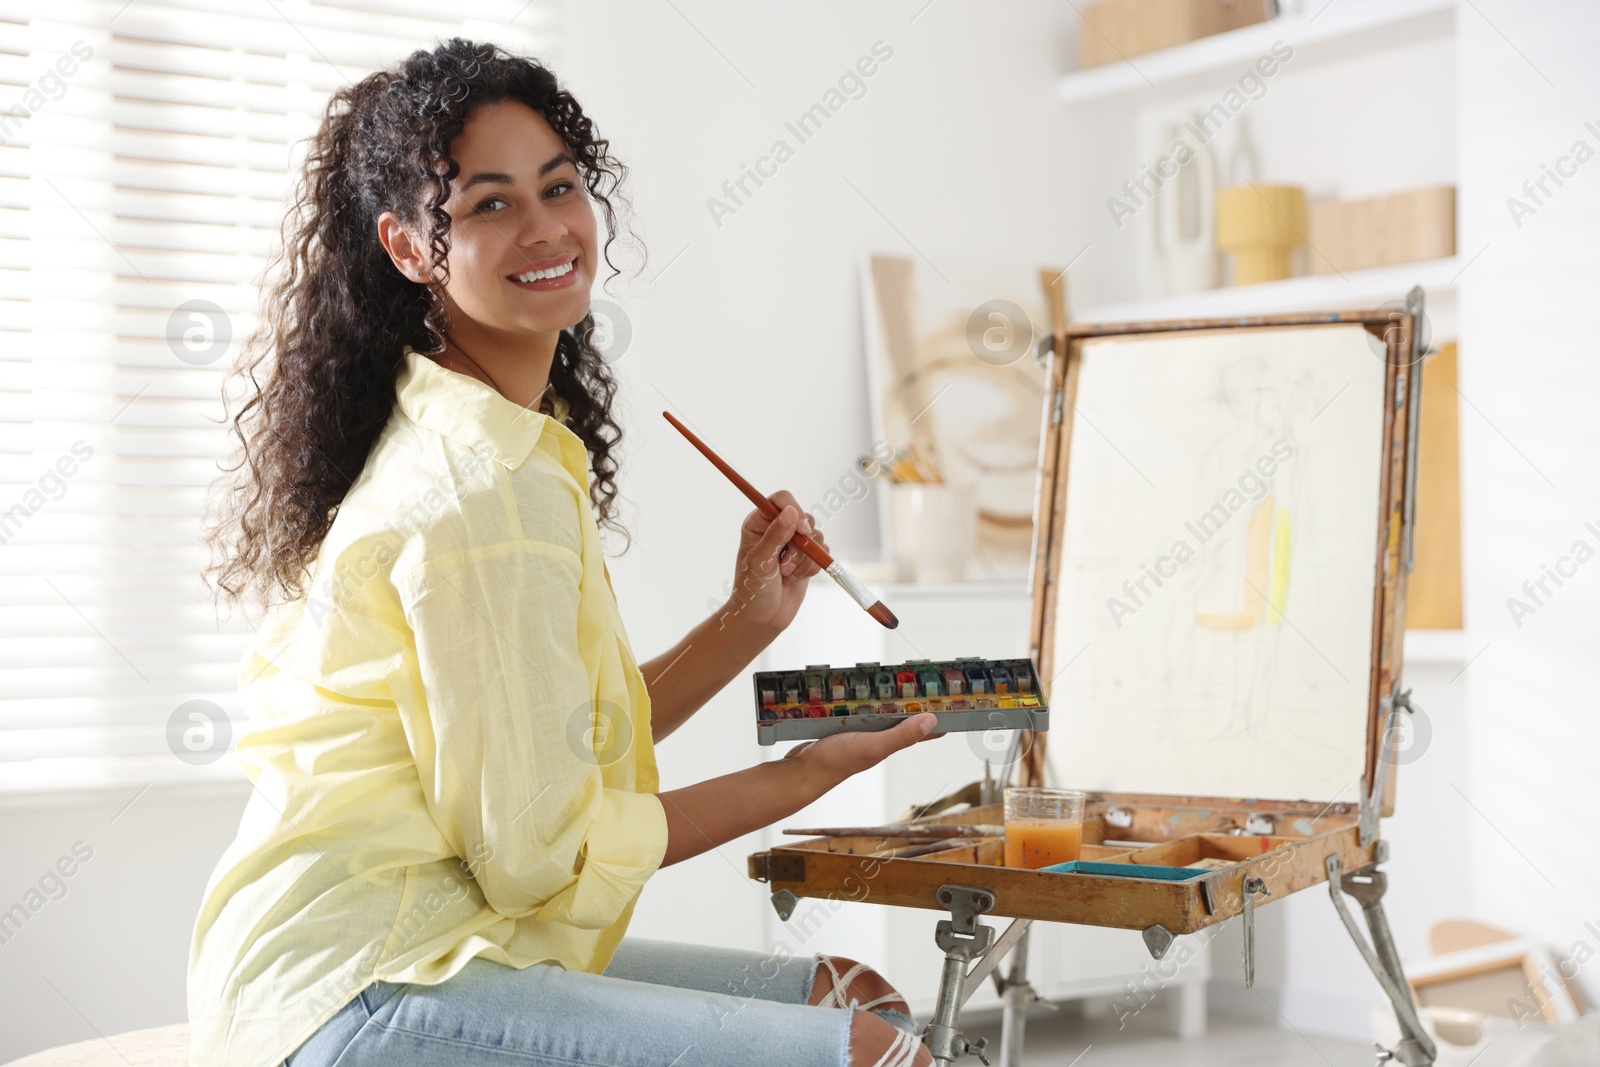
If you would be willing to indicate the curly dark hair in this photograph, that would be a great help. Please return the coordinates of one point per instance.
(337, 314)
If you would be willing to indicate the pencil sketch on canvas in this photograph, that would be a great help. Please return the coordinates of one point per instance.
(1214, 621)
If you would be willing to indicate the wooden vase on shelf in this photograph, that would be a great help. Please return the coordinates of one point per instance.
(1260, 226)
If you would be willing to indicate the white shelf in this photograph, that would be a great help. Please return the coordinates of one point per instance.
(1330, 30)
(1352, 290)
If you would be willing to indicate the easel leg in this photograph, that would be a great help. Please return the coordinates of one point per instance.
(962, 937)
(1415, 1049)
(1016, 996)
(942, 1037)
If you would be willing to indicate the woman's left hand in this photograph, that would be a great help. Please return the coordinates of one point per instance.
(770, 574)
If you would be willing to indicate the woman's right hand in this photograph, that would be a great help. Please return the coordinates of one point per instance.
(842, 755)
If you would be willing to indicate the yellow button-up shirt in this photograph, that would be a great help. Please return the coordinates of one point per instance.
(449, 736)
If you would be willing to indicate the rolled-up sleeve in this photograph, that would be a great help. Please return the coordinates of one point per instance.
(522, 762)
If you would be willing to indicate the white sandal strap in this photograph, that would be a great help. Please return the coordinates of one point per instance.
(902, 1052)
(836, 995)
(878, 1000)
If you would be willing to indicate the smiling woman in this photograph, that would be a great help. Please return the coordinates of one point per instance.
(452, 743)
(523, 227)
(388, 160)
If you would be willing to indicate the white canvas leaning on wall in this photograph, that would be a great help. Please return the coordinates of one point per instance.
(1214, 620)
(951, 368)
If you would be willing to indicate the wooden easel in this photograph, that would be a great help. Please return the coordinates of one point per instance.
(1257, 851)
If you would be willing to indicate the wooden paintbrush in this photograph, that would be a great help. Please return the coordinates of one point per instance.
(927, 830)
(906, 852)
(835, 570)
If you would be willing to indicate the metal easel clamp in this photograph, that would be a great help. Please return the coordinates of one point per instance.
(961, 937)
(1416, 1048)
(962, 931)
(1249, 889)
(1372, 793)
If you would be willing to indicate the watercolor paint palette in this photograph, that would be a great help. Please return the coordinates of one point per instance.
(967, 694)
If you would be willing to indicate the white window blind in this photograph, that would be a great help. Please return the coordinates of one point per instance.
(147, 150)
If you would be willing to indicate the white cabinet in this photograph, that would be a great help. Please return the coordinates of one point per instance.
(941, 622)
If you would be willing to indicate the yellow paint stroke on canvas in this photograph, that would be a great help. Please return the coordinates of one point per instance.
(1257, 551)
(1278, 592)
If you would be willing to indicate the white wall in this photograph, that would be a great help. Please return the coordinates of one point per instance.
(1530, 437)
(109, 950)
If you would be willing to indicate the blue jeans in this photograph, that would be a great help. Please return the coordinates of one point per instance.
(658, 1004)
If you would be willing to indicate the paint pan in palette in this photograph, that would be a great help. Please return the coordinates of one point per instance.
(966, 694)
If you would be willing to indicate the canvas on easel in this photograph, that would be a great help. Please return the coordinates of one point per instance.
(1215, 579)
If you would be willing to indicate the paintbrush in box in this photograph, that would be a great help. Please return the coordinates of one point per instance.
(928, 830)
(906, 852)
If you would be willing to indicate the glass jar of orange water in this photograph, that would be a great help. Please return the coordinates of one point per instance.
(1044, 825)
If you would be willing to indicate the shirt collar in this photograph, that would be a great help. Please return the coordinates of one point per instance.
(469, 412)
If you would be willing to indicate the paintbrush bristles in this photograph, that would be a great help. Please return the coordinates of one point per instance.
(884, 615)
